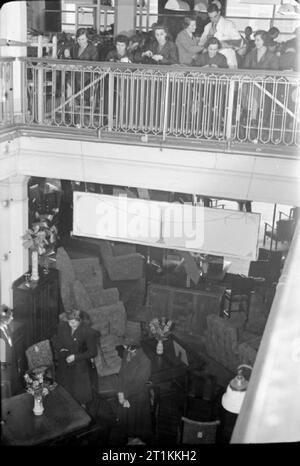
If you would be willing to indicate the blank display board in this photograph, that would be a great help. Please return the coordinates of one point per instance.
(207, 230)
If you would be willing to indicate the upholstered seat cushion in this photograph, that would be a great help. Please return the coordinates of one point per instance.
(88, 270)
(107, 361)
(109, 319)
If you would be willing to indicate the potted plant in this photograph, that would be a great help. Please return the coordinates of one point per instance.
(40, 239)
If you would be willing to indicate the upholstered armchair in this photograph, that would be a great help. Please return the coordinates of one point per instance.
(121, 264)
(87, 274)
(229, 344)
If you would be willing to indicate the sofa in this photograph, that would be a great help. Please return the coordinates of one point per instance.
(229, 343)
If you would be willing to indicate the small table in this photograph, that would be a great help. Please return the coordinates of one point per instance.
(167, 367)
(62, 416)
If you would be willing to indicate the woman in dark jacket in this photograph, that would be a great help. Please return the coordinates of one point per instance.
(162, 50)
(134, 399)
(75, 344)
(83, 49)
(259, 58)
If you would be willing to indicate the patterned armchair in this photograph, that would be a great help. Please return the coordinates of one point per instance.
(87, 274)
(121, 264)
(81, 287)
(229, 344)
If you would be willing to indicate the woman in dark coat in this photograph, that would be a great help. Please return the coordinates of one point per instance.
(83, 50)
(161, 50)
(134, 411)
(259, 58)
(75, 344)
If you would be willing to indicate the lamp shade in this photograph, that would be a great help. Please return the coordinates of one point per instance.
(233, 398)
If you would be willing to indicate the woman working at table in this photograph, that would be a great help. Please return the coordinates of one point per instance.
(75, 344)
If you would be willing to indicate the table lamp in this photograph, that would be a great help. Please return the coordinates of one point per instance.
(233, 398)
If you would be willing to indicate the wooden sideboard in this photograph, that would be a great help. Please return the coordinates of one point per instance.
(188, 308)
(13, 364)
(38, 306)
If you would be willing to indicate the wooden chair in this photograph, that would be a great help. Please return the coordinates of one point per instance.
(201, 396)
(240, 292)
(197, 432)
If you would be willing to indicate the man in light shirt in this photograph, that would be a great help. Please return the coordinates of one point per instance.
(225, 31)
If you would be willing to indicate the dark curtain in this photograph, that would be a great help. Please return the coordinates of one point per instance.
(53, 17)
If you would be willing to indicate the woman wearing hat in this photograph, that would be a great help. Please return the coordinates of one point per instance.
(133, 393)
(75, 344)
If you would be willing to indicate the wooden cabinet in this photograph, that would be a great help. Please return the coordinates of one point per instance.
(37, 306)
(13, 364)
(188, 308)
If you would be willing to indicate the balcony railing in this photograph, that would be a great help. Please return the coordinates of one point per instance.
(167, 102)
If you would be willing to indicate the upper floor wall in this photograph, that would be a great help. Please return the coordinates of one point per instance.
(216, 174)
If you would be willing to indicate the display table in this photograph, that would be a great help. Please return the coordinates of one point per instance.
(168, 367)
(62, 417)
(188, 308)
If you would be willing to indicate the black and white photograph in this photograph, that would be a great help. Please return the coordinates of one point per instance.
(149, 233)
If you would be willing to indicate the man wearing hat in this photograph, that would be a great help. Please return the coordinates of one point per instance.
(134, 411)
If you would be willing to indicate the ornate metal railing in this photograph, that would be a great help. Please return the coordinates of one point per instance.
(6, 94)
(168, 102)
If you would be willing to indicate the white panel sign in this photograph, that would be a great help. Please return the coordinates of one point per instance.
(167, 225)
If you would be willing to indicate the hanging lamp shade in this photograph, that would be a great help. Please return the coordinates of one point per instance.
(233, 398)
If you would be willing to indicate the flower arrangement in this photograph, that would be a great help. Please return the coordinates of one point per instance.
(42, 236)
(37, 384)
(160, 328)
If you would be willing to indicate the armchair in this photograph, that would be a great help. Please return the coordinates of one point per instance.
(40, 354)
(229, 344)
(120, 265)
(87, 274)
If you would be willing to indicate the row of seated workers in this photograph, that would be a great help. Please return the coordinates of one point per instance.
(220, 45)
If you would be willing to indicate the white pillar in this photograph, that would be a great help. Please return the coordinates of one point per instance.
(14, 222)
(13, 26)
(125, 16)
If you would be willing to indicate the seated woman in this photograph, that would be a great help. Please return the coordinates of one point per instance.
(74, 345)
(120, 54)
(186, 43)
(211, 58)
(162, 50)
(134, 411)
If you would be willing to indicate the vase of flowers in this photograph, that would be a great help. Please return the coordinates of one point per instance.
(38, 407)
(38, 386)
(40, 240)
(160, 329)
